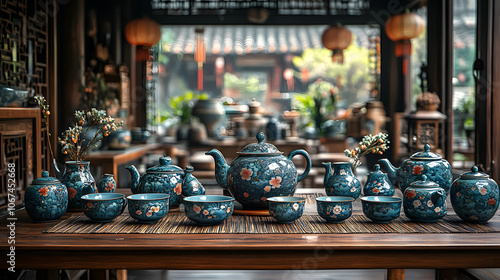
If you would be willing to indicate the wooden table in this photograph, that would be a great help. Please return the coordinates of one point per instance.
(395, 252)
(109, 160)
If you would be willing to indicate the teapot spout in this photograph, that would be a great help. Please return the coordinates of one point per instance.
(328, 170)
(135, 178)
(390, 169)
(221, 168)
(59, 173)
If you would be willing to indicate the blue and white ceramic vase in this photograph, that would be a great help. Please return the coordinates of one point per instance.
(107, 184)
(378, 183)
(79, 181)
(342, 181)
(474, 196)
(46, 199)
(424, 201)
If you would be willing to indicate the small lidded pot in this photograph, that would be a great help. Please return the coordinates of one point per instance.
(378, 184)
(424, 201)
(474, 196)
(46, 199)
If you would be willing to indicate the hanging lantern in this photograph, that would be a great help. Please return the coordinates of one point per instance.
(288, 75)
(402, 28)
(219, 70)
(200, 55)
(143, 33)
(337, 39)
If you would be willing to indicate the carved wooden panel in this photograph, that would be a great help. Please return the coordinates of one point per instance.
(24, 44)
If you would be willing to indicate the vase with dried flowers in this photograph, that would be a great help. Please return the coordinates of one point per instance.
(75, 145)
(370, 144)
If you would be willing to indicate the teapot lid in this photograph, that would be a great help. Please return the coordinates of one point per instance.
(474, 174)
(426, 154)
(377, 173)
(425, 183)
(165, 166)
(45, 179)
(260, 147)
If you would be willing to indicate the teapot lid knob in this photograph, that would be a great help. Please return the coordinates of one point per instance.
(165, 160)
(377, 167)
(474, 169)
(45, 174)
(427, 148)
(424, 178)
(189, 168)
(260, 137)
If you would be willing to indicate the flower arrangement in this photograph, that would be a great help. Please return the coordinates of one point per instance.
(370, 144)
(96, 94)
(73, 140)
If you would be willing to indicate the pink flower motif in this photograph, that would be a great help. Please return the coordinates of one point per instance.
(417, 169)
(110, 186)
(178, 189)
(459, 194)
(483, 191)
(275, 182)
(197, 209)
(138, 212)
(90, 205)
(148, 214)
(246, 173)
(44, 191)
(267, 188)
(205, 212)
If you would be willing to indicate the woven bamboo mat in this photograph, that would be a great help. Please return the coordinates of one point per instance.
(314, 224)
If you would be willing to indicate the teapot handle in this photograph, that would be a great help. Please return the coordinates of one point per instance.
(308, 162)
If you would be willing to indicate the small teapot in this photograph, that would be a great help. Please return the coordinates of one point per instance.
(427, 163)
(163, 178)
(378, 183)
(259, 172)
(424, 201)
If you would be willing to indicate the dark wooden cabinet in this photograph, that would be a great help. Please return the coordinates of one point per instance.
(22, 145)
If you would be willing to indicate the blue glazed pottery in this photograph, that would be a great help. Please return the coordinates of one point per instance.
(424, 201)
(422, 163)
(378, 183)
(334, 209)
(103, 207)
(208, 209)
(191, 186)
(46, 199)
(79, 181)
(148, 207)
(286, 209)
(474, 196)
(163, 178)
(119, 139)
(342, 181)
(381, 209)
(107, 184)
(259, 172)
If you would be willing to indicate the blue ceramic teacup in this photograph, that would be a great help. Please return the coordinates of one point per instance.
(381, 209)
(103, 207)
(286, 209)
(334, 209)
(148, 207)
(208, 209)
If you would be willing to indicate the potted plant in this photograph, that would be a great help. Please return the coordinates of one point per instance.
(317, 106)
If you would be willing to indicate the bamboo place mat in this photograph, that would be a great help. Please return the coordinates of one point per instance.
(314, 224)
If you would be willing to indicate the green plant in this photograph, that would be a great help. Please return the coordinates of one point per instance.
(467, 106)
(73, 140)
(181, 107)
(369, 144)
(317, 105)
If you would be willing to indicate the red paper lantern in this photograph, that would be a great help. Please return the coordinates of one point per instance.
(401, 28)
(143, 33)
(200, 55)
(337, 39)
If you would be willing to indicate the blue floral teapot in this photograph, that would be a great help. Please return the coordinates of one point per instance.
(259, 172)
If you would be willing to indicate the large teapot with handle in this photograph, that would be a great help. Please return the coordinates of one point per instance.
(422, 163)
(259, 172)
(166, 178)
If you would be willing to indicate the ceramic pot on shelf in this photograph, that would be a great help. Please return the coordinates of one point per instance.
(210, 112)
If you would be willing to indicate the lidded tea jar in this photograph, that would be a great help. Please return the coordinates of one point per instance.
(474, 196)
(424, 201)
(46, 199)
(378, 183)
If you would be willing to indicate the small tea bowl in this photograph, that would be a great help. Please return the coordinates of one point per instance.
(381, 209)
(103, 207)
(208, 209)
(334, 209)
(286, 209)
(148, 207)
